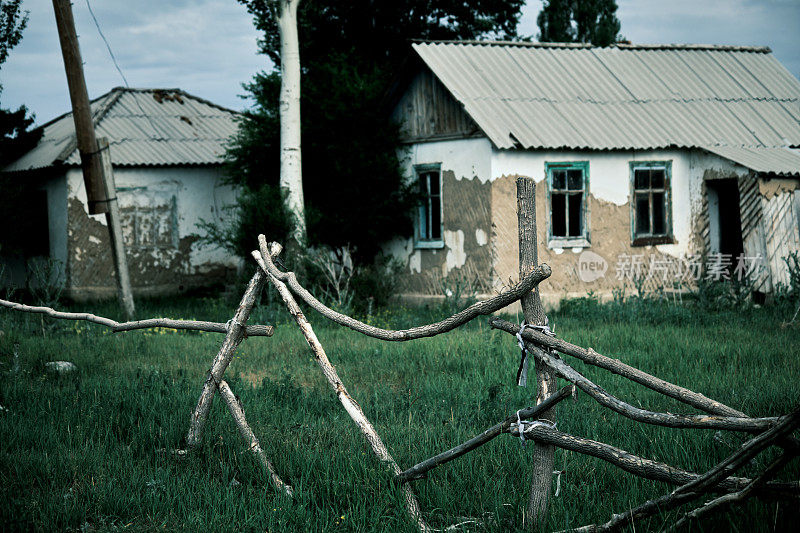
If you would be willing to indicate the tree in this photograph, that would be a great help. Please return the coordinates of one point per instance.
(15, 136)
(354, 190)
(579, 21)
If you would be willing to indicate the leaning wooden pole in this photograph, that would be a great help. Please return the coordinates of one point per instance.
(115, 231)
(348, 402)
(546, 385)
(99, 190)
(81, 111)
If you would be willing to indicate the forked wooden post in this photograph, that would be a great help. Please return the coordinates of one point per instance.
(234, 336)
(546, 385)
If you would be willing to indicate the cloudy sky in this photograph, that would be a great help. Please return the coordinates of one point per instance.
(208, 47)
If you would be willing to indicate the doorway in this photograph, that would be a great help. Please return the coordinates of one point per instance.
(724, 221)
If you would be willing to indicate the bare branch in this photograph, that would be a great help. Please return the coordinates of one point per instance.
(485, 307)
(419, 470)
(642, 415)
(249, 437)
(707, 481)
(195, 325)
(735, 497)
(234, 337)
(348, 402)
(616, 366)
(640, 466)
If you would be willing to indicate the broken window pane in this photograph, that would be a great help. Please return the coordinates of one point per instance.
(559, 179)
(575, 215)
(436, 217)
(657, 178)
(575, 180)
(642, 178)
(642, 214)
(433, 179)
(558, 210)
(659, 219)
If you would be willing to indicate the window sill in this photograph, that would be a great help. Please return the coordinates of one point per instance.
(574, 242)
(427, 245)
(650, 241)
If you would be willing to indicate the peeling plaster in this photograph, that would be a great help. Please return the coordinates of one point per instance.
(774, 187)
(456, 256)
(415, 262)
(481, 238)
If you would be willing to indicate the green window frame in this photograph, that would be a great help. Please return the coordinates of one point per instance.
(568, 208)
(428, 227)
(651, 202)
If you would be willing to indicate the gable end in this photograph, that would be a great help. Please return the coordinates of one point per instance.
(427, 111)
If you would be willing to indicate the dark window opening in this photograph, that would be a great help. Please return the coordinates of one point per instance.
(429, 219)
(651, 207)
(567, 197)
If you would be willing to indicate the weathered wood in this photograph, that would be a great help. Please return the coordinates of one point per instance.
(419, 470)
(348, 402)
(115, 231)
(81, 110)
(234, 336)
(640, 466)
(627, 410)
(616, 366)
(235, 408)
(530, 280)
(735, 497)
(192, 325)
(698, 486)
(546, 383)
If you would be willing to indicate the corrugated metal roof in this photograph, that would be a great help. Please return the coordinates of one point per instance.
(780, 161)
(551, 96)
(145, 127)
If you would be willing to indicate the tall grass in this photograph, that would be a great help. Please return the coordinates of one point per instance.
(82, 451)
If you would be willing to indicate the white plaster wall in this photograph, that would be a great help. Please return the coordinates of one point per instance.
(609, 179)
(467, 158)
(199, 193)
(57, 216)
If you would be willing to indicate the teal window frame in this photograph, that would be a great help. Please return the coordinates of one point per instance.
(567, 190)
(429, 219)
(654, 195)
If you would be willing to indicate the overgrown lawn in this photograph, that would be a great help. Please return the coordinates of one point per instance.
(85, 450)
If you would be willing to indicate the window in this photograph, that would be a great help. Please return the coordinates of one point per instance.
(567, 187)
(651, 207)
(429, 216)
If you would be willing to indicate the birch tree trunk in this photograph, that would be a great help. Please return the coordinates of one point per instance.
(546, 384)
(291, 170)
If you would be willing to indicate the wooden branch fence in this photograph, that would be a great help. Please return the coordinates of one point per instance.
(531, 423)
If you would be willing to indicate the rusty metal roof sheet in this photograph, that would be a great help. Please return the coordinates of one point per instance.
(550, 96)
(145, 127)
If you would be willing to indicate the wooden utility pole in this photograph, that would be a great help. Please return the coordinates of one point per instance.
(81, 112)
(546, 385)
(100, 189)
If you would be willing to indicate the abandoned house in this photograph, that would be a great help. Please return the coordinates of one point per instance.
(166, 149)
(655, 166)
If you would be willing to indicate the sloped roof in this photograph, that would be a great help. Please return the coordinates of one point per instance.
(145, 127)
(575, 96)
(780, 161)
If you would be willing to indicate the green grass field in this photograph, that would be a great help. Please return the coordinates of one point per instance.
(82, 451)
